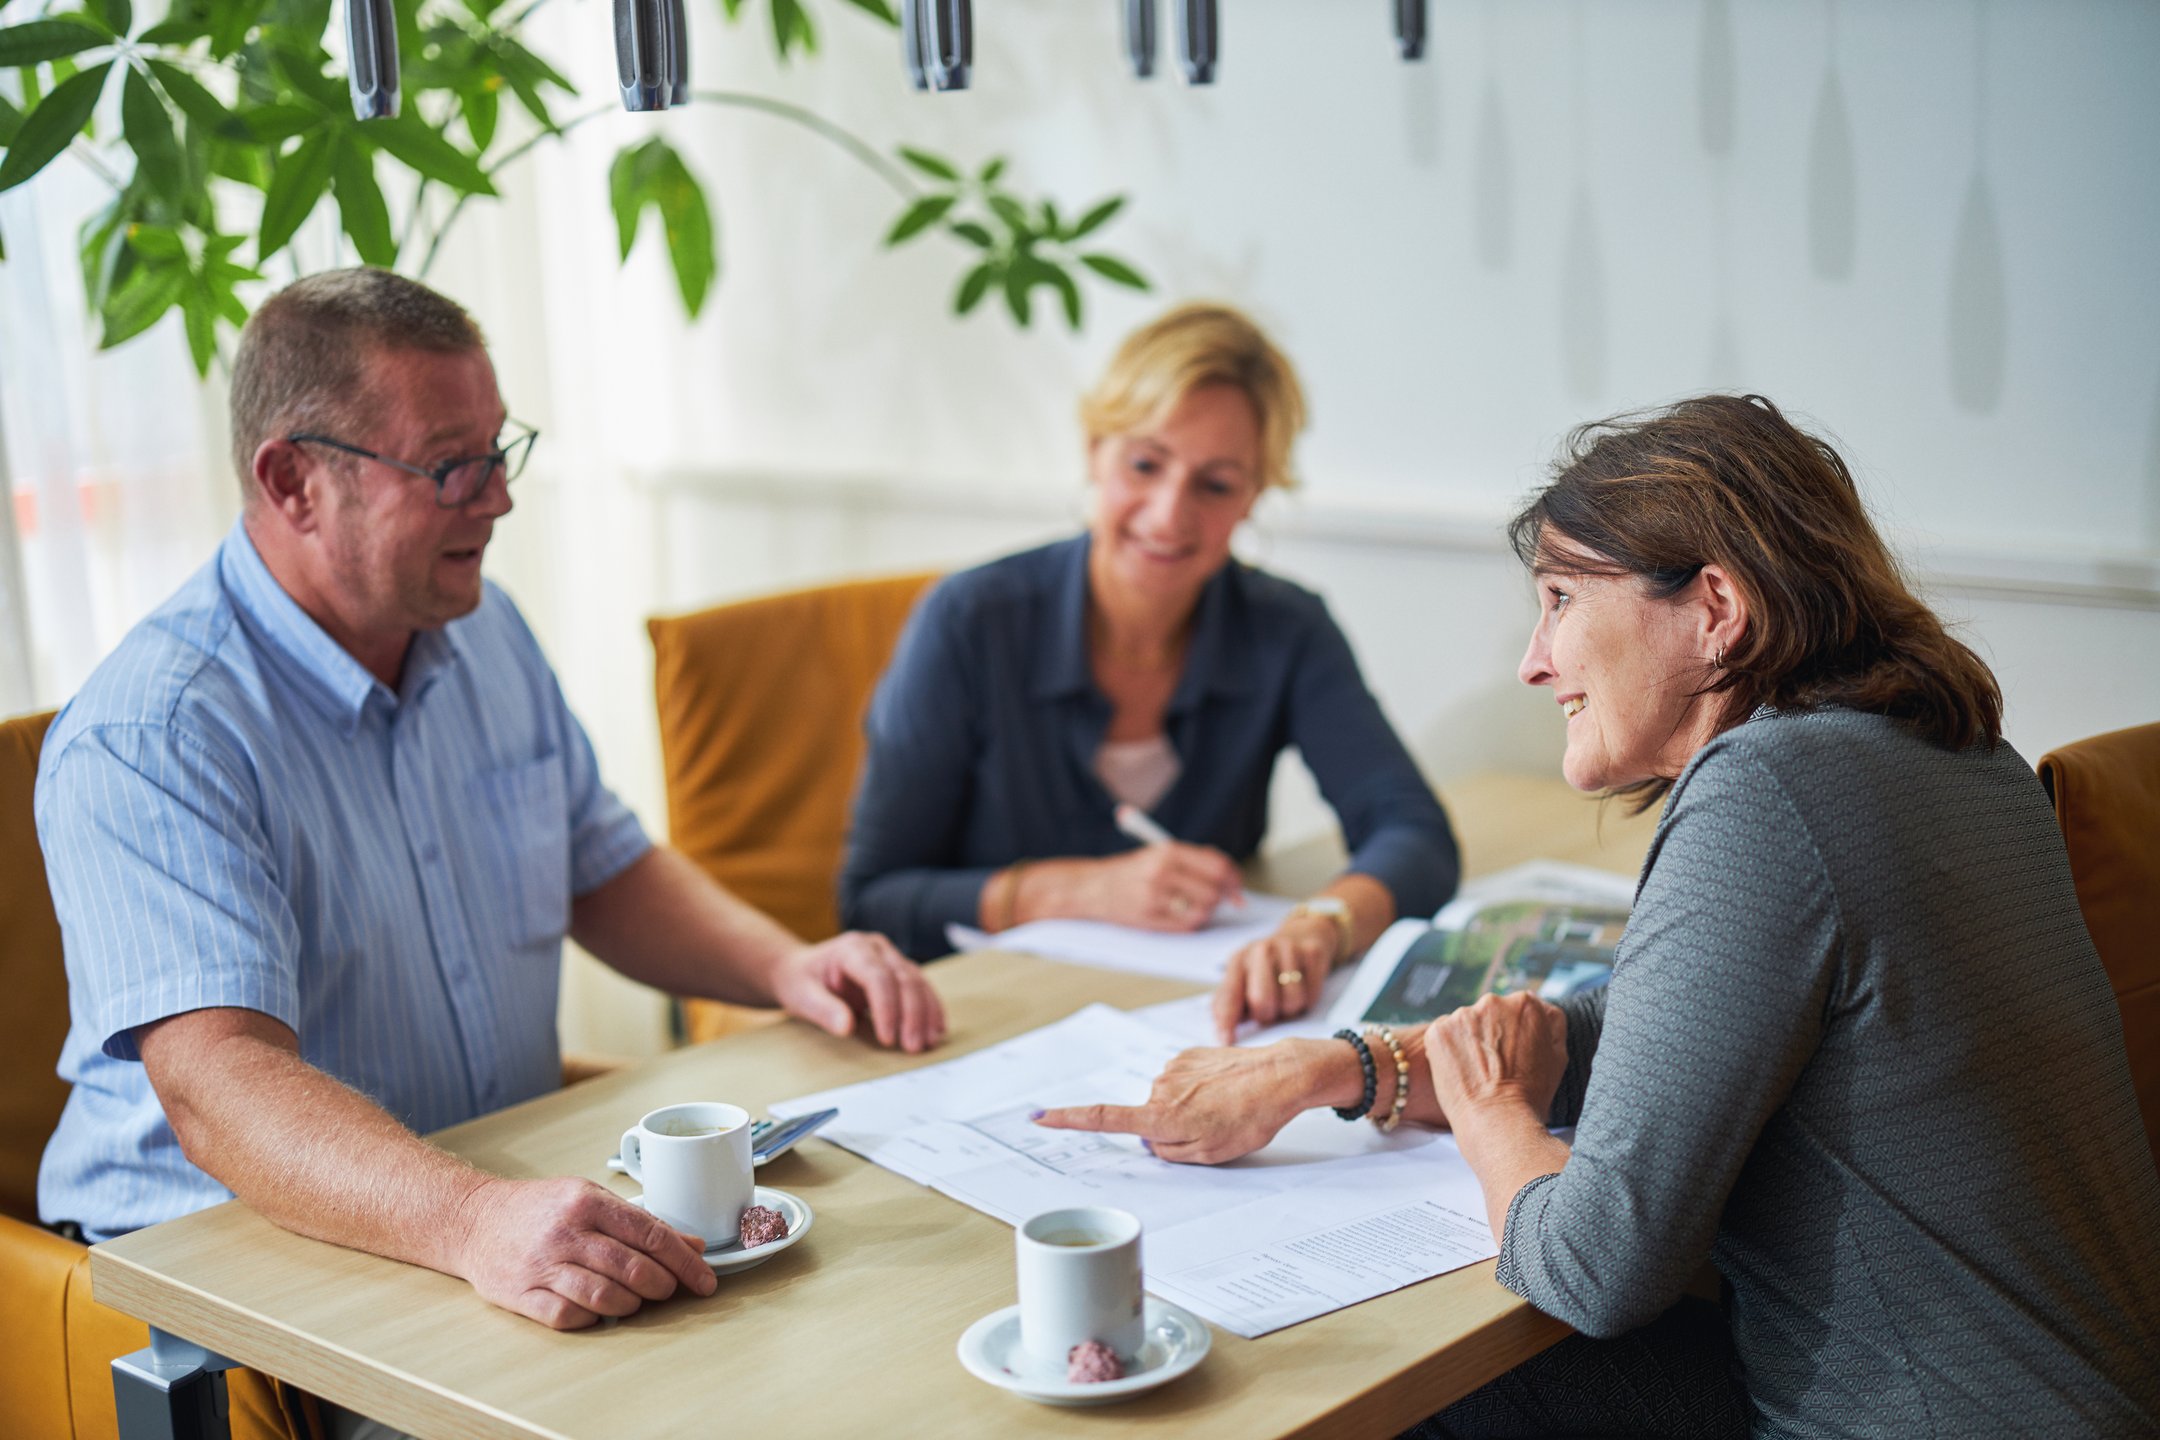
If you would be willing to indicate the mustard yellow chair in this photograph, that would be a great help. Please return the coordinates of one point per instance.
(57, 1344)
(2107, 799)
(761, 709)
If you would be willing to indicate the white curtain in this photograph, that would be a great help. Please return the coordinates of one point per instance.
(111, 460)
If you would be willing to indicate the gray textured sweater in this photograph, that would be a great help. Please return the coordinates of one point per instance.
(1859, 1051)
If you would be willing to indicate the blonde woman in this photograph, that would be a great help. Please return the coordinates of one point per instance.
(1139, 664)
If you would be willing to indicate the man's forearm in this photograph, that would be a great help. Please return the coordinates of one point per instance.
(667, 924)
(307, 1152)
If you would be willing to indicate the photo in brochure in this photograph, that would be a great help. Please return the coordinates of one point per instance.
(1546, 928)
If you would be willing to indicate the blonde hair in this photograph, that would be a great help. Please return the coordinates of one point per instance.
(1194, 345)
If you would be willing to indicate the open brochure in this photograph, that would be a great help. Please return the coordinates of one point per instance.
(1544, 927)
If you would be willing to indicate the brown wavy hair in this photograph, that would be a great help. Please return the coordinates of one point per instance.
(1728, 480)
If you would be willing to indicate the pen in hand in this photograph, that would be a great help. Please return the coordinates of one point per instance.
(1148, 831)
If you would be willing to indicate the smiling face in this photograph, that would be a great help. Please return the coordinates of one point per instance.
(1168, 498)
(1624, 666)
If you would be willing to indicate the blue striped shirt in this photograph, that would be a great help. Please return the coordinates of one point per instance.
(234, 812)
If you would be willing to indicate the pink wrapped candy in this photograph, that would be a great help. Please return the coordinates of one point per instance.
(761, 1225)
(1090, 1363)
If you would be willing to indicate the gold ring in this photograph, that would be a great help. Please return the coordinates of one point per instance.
(1289, 977)
(1179, 904)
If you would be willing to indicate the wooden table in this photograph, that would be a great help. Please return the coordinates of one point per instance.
(852, 1332)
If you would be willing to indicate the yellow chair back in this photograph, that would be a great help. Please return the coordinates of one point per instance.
(761, 708)
(33, 976)
(2107, 799)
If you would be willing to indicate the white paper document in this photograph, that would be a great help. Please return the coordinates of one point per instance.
(1326, 1216)
(1195, 955)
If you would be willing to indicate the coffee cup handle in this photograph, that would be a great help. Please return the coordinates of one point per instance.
(630, 1157)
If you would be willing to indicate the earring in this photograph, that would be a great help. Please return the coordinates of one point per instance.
(1720, 661)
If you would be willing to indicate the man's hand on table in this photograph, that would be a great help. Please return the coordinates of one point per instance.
(860, 976)
(565, 1251)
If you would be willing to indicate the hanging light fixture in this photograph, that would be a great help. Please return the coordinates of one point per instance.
(644, 67)
(914, 50)
(371, 42)
(1198, 40)
(1410, 28)
(1140, 37)
(678, 54)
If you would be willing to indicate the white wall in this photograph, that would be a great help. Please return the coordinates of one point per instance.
(1927, 225)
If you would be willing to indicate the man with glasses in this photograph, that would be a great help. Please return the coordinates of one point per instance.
(316, 831)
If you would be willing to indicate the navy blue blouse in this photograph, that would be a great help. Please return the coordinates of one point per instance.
(983, 736)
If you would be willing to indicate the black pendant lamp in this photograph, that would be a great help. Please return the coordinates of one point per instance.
(1140, 37)
(371, 42)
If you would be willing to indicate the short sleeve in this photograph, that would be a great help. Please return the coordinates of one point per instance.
(164, 883)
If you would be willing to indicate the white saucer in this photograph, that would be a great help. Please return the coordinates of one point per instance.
(727, 1258)
(1176, 1340)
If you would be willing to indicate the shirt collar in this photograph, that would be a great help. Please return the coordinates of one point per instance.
(1214, 662)
(333, 681)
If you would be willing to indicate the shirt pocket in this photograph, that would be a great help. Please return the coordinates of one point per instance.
(524, 819)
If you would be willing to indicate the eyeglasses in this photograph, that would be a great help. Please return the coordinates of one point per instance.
(457, 482)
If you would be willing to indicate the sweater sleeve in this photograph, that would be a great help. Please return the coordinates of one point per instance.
(898, 874)
(1392, 824)
(1716, 1005)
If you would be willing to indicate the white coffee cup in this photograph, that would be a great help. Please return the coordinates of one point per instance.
(694, 1162)
(1079, 1273)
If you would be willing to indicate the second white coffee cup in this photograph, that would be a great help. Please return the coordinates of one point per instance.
(1079, 1273)
(694, 1162)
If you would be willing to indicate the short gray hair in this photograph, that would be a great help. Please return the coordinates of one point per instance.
(303, 354)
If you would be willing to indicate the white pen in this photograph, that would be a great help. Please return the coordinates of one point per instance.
(1141, 826)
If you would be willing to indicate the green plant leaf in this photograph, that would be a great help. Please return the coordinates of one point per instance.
(1117, 271)
(479, 104)
(1095, 219)
(159, 242)
(792, 29)
(1067, 291)
(990, 172)
(360, 205)
(691, 243)
(58, 118)
(273, 124)
(1016, 293)
(919, 217)
(626, 194)
(35, 41)
(148, 127)
(878, 8)
(119, 14)
(1052, 225)
(295, 186)
(929, 164)
(973, 233)
(307, 71)
(136, 305)
(199, 314)
(973, 286)
(653, 174)
(230, 21)
(102, 250)
(10, 121)
(174, 32)
(412, 140)
(198, 104)
(1015, 216)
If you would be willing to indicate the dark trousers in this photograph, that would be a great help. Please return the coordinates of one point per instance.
(1674, 1377)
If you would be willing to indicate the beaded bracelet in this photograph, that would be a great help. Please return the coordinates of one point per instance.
(1402, 1081)
(1372, 1079)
